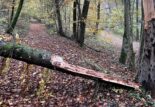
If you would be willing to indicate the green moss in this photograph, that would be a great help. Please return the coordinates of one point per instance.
(7, 46)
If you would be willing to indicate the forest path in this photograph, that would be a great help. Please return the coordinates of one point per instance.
(71, 52)
(116, 40)
(23, 86)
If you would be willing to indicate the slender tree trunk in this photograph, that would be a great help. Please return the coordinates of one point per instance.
(141, 42)
(83, 22)
(109, 7)
(69, 22)
(12, 11)
(79, 20)
(75, 20)
(141, 33)
(58, 15)
(65, 17)
(98, 14)
(15, 19)
(127, 54)
(146, 74)
(137, 28)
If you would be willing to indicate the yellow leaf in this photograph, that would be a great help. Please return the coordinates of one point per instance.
(118, 90)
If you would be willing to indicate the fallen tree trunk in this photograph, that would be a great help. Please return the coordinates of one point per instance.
(26, 54)
(47, 59)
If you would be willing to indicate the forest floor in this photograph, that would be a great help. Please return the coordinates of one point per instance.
(22, 84)
(116, 40)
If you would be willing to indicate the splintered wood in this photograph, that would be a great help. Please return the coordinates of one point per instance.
(149, 11)
(77, 70)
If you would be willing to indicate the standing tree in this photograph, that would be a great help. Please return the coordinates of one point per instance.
(98, 14)
(137, 28)
(141, 32)
(75, 19)
(127, 53)
(12, 10)
(83, 18)
(58, 15)
(79, 20)
(146, 74)
(15, 19)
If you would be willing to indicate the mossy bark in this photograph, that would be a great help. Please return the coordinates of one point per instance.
(15, 19)
(12, 11)
(26, 54)
(146, 74)
(127, 53)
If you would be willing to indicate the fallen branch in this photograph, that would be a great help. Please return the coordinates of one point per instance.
(46, 59)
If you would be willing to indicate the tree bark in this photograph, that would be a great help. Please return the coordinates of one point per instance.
(141, 32)
(59, 20)
(98, 14)
(75, 19)
(26, 54)
(141, 42)
(137, 28)
(15, 19)
(146, 74)
(12, 11)
(83, 22)
(79, 20)
(127, 54)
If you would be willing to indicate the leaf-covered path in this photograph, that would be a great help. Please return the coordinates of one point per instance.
(71, 52)
(29, 85)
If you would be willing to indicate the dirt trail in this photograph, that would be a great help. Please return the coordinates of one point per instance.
(116, 40)
(71, 52)
(62, 90)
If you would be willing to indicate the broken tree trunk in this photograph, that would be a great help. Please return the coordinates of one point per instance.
(146, 74)
(48, 60)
